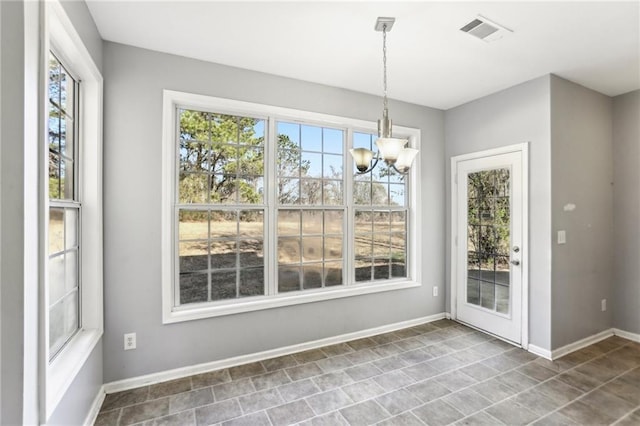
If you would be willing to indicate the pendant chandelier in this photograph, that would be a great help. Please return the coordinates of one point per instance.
(393, 151)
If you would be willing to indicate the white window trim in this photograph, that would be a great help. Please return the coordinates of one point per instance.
(57, 376)
(173, 99)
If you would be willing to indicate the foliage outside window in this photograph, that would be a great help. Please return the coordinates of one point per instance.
(265, 206)
(64, 208)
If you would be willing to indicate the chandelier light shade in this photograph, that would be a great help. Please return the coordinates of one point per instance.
(393, 151)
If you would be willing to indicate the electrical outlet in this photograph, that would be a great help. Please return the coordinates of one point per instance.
(129, 341)
(435, 291)
(603, 305)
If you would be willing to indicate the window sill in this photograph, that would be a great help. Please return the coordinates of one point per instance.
(66, 366)
(267, 302)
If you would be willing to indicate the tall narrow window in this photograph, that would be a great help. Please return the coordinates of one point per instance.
(64, 249)
(220, 206)
(311, 206)
(380, 224)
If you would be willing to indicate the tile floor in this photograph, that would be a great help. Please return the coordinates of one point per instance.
(435, 374)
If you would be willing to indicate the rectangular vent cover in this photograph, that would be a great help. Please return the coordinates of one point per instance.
(485, 30)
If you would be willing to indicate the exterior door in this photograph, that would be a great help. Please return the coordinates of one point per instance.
(489, 250)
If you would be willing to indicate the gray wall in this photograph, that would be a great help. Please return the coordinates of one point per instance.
(626, 208)
(134, 80)
(581, 174)
(515, 115)
(12, 210)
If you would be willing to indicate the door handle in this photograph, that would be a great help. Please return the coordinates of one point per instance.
(515, 262)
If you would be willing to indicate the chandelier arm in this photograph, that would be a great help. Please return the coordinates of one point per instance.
(373, 166)
(402, 173)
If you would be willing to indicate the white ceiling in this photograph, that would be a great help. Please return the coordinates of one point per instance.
(431, 62)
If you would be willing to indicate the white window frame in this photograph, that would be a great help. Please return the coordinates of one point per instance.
(56, 376)
(172, 100)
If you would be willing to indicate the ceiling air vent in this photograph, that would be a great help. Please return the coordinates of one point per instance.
(485, 29)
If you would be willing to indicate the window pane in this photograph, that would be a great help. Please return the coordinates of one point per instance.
(363, 221)
(381, 269)
(288, 135)
(288, 250)
(251, 253)
(289, 222)
(224, 224)
(312, 249)
(251, 131)
(71, 270)
(71, 228)
(398, 255)
(66, 179)
(311, 165)
(333, 248)
(193, 225)
(310, 191)
(362, 140)
(362, 192)
(332, 140)
(288, 278)
(332, 274)
(251, 161)
(194, 288)
(312, 276)
(194, 125)
(333, 222)
(251, 223)
(332, 166)
(194, 256)
(63, 322)
(364, 246)
(396, 194)
(224, 128)
(252, 282)
(223, 285)
(56, 230)
(56, 278)
(194, 156)
(311, 138)
(332, 192)
(288, 161)
(223, 254)
(288, 191)
(363, 270)
(312, 222)
(381, 222)
(193, 188)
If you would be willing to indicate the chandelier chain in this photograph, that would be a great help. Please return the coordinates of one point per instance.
(384, 63)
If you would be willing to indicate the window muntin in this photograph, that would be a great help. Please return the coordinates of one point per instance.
(220, 207)
(64, 208)
(380, 224)
(294, 184)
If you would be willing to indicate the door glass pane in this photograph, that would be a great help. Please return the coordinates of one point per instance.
(488, 239)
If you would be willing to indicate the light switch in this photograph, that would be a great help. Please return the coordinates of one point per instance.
(562, 237)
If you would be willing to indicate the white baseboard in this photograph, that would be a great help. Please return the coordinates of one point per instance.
(627, 335)
(541, 352)
(95, 407)
(582, 343)
(178, 373)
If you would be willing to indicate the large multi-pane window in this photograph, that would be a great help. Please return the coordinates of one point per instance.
(64, 207)
(262, 206)
(381, 210)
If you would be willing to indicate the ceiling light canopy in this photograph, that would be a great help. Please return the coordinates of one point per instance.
(393, 151)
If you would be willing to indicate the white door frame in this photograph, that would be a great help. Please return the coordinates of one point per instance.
(523, 148)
